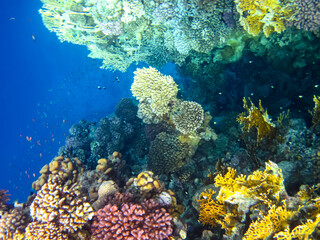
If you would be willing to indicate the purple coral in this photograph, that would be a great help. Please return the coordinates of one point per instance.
(130, 221)
(308, 15)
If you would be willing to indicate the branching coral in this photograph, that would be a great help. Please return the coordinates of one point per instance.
(266, 15)
(307, 16)
(154, 92)
(275, 221)
(128, 220)
(258, 119)
(61, 206)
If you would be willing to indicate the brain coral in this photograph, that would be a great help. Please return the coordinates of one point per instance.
(167, 154)
(154, 92)
(60, 205)
(189, 117)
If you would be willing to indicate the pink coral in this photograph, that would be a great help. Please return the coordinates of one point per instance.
(131, 221)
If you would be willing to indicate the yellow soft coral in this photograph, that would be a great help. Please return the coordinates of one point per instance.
(238, 194)
(275, 221)
(211, 211)
(263, 15)
(300, 232)
(264, 186)
(316, 111)
(257, 118)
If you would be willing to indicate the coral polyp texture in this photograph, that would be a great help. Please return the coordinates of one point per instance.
(154, 91)
(58, 205)
(307, 16)
(128, 220)
(189, 117)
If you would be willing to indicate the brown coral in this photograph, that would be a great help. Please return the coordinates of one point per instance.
(68, 169)
(167, 153)
(189, 117)
(14, 222)
(62, 206)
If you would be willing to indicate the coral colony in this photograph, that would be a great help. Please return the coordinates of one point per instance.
(199, 160)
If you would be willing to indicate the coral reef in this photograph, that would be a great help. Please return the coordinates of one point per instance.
(155, 92)
(61, 206)
(122, 32)
(146, 220)
(257, 119)
(261, 201)
(265, 16)
(189, 117)
(307, 16)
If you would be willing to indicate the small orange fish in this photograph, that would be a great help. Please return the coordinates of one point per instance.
(38, 143)
(52, 139)
(28, 138)
(33, 174)
(40, 154)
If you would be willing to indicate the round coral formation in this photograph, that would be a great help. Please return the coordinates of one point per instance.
(130, 221)
(146, 182)
(189, 117)
(154, 92)
(167, 154)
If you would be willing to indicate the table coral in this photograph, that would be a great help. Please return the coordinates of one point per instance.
(146, 220)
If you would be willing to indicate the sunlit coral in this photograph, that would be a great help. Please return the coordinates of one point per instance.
(151, 87)
(62, 206)
(275, 221)
(257, 118)
(267, 15)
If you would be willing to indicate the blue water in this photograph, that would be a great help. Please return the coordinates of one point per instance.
(46, 86)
